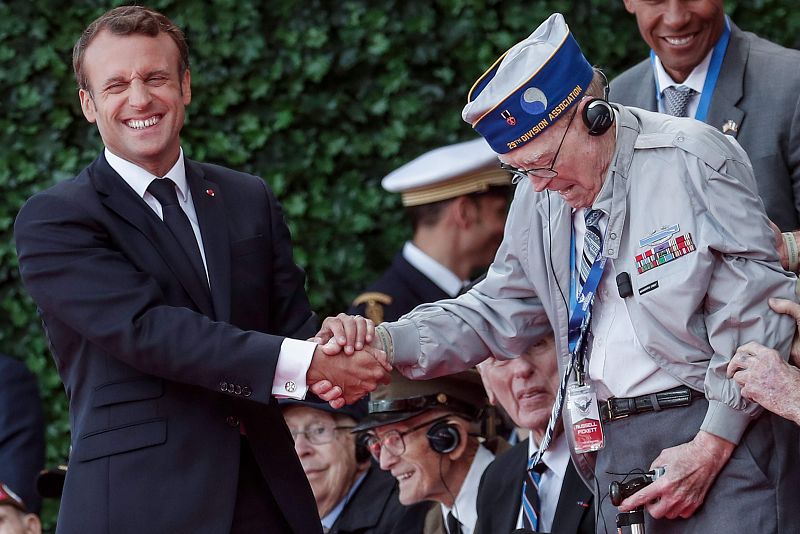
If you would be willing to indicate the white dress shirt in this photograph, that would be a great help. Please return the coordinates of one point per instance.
(556, 458)
(435, 271)
(619, 365)
(465, 508)
(696, 80)
(295, 355)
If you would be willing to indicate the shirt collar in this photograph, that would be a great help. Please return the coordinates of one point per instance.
(695, 80)
(435, 271)
(139, 179)
(466, 509)
(556, 457)
(333, 515)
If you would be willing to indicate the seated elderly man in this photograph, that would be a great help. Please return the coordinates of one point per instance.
(353, 495)
(426, 434)
(14, 515)
(552, 498)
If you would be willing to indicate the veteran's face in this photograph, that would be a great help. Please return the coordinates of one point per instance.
(579, 179)
(137, 97)
(526, 386)
(681, 32)
(417, 470)
(331, 467)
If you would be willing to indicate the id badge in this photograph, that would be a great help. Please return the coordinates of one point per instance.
(584, 417)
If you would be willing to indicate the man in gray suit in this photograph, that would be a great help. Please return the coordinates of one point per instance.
(733, 80)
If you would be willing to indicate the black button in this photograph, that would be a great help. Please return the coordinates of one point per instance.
(232, 421)
(223, 386)
(237, 389)
(246, 391)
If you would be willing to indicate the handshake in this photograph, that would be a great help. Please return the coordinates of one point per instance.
(345, 365)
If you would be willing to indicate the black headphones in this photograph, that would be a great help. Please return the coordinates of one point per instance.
(443, 437)
(597, 114)
(362, 449)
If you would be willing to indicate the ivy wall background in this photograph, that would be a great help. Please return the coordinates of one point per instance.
(320, 98)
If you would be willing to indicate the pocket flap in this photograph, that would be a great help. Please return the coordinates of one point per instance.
(121, 439)
(130, 390)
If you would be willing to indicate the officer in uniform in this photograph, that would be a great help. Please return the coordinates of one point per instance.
(426, 433)
(456, 198)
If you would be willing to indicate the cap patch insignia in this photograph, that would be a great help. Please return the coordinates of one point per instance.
(533, 101)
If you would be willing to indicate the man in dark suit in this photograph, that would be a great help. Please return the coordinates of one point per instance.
(740, 83)
(353, 494)
(170, 297)
(456, 198)
(525, 387)
(21, 431)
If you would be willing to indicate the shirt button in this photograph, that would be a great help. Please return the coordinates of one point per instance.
(290, 386)
(679, 139)
(611, 251)
(232, 421)
(613, 235)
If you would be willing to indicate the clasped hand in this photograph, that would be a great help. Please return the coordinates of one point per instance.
(344, 367)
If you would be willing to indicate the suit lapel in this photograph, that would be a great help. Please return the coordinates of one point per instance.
(121, 199)
(730, 84)
(644, 94)
(573, 503)
(509, 496)
(210, 207)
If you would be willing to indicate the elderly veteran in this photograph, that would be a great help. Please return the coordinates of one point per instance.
(15, 518)
(456, 198)
(353, 495)
(652, 224)
(426, 433)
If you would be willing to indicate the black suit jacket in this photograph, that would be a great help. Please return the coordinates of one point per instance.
(406, 286)
(158, 376)
(759, 89)
(500, 495)
(21, 431)
(374, 508)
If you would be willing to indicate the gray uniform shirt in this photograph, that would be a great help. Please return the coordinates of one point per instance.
(689, 313)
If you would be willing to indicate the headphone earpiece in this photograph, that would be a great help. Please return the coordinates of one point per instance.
(362, 449)
(598, 116)
(443, 437)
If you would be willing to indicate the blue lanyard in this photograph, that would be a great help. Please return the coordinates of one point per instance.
(581, 302)
(714, 66)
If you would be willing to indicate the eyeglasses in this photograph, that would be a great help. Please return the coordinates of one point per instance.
(393, 440)
(318, 434)
(546, 173)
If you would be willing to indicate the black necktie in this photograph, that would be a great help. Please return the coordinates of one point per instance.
(453, 525)
(178, 223)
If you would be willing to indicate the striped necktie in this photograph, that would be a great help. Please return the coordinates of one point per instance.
(530, 494)
(592, 243)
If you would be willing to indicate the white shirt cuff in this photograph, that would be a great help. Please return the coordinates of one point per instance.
(290, 373)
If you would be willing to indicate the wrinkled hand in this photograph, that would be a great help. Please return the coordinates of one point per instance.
(766, 379)
(791, 308)
(344, 332)
(783, 254)
(690, 470)
(343, 379)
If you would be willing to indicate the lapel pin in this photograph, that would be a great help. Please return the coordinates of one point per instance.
(730, 126)
(210, 192)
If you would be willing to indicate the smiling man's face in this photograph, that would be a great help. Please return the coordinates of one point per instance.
(681, 32)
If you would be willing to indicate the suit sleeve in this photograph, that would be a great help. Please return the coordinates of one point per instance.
(81, 279)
